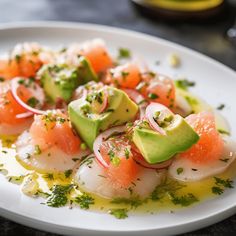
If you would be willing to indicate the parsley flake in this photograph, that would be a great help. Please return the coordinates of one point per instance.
(120, 213)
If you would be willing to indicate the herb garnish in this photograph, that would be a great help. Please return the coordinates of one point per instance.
(2, 79)
(18, 58)
(37, 150)
(49, 176)
(221, 107)
(227, 183)
(124, 74)
(221, 184)
(192, 101)
(184, 84)
(224, 160)
(217, 190)
(179, 170)
(120, 213)
(152, 96)
(222, 131)
(84, 200)
(68, 173)
(133, 202)
(124, 53)
(184, 200)
(127, 153)
(59, 195)
(33, 102)
(167, 187)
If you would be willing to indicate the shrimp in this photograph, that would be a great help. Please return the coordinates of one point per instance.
(50, 144)
(25, 60)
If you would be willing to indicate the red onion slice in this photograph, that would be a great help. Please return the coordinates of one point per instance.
(98, 141)
(150, 114)
(37, 91)
(142, 162)
(105, 101)
(138, 99)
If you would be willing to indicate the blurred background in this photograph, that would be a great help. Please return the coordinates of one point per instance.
(203, 25)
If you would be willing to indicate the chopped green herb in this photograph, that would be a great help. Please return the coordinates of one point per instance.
(110, 110)
(221, 107)
(83, 146)
(124, 74)
(18, 58)
(179, 170)
(84, 201)
(167, 187)
(124, 53)
(49, 176)
(2, 79)
(59, 195)
(227, 183)
(192, 101)
(61, 120)
(184, 200)
(221, 184)
(184, 84)
(152, 96)
(224, 160)
(217, 190)
(28, 155)
(37, 150)
(21, 81)
(119, 213)
(222, 131)
(127, 153)
(115, 161)
(68, 173)
(133, 202)
(4, 151)
(33, 102)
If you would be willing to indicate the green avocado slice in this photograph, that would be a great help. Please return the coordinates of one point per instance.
(60, 81)
(156, 147)
(89, 124)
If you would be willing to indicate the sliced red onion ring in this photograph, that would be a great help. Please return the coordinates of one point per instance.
(105, 101)
(141, 161)
(138, 99)
(98, 141)
(24, 115)
(150, 114)
(37, 91)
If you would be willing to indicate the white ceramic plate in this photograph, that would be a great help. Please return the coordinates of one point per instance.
(215, 83)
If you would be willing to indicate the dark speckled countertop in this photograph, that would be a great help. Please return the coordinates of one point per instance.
(207, 38)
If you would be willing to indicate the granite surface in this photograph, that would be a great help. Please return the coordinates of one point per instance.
(208, 38)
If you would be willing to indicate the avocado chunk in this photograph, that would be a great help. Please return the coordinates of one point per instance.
(60, 81)
(88, 122)
(156, 147)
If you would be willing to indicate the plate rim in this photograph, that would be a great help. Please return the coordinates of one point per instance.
(210, 218)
